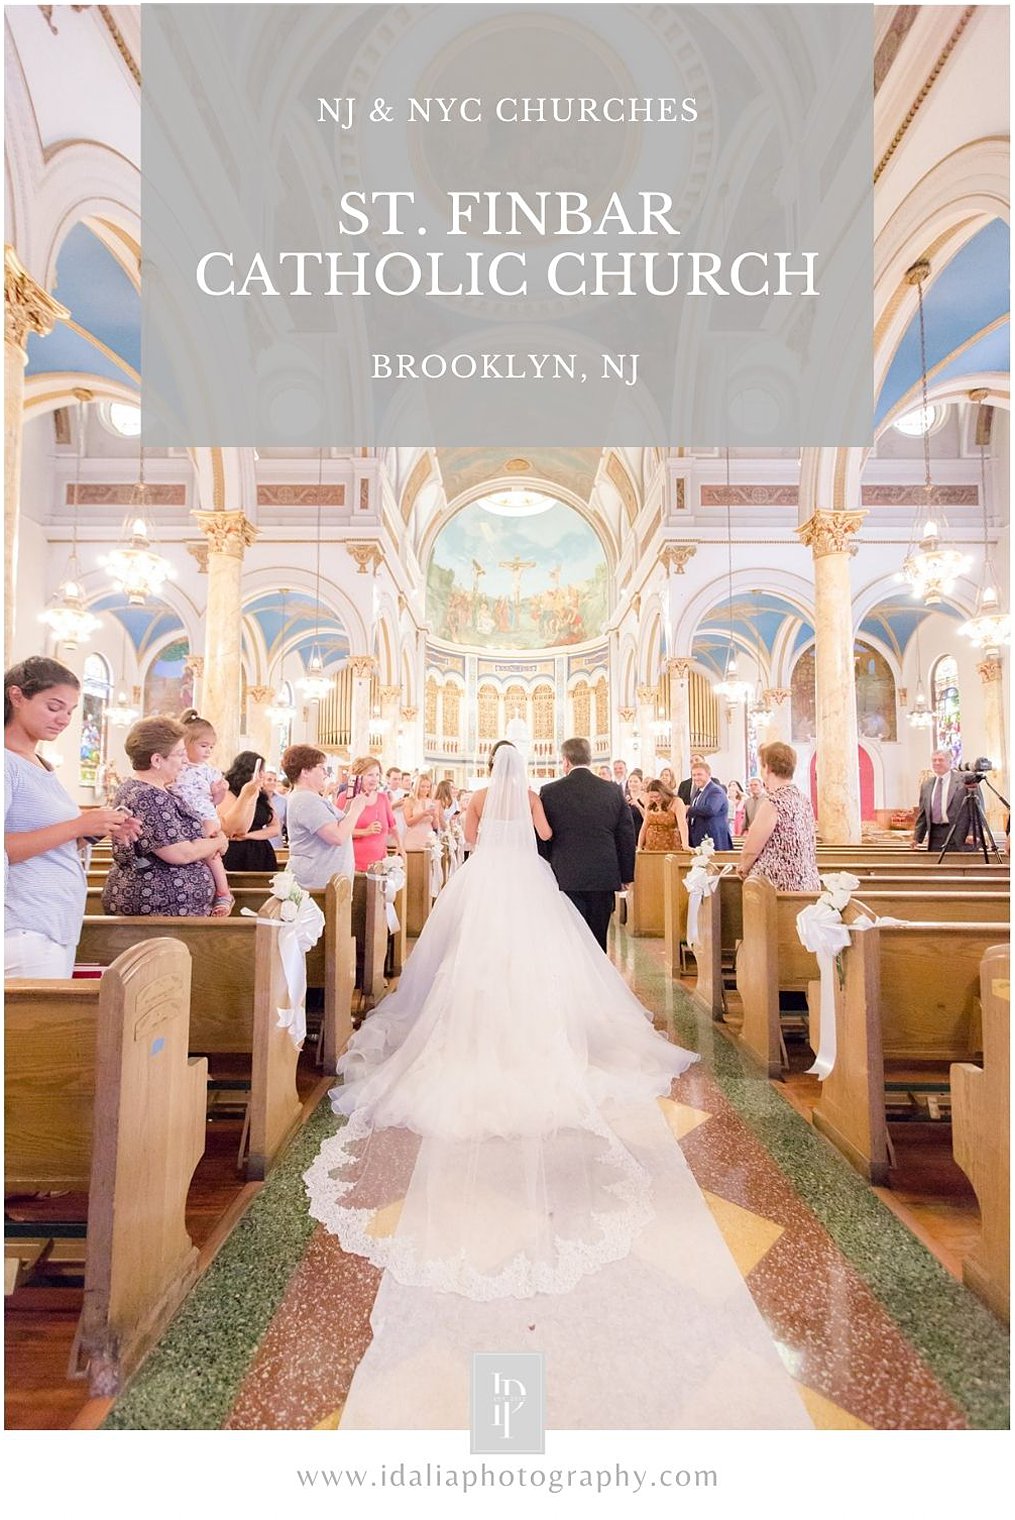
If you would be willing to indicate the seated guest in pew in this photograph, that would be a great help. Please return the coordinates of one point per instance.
(780, 844)
(375, 828)
(43, 829)
(254, 849)
(320, 839)
(665, 823)
(707, 810)
(942, 804)
(165, 869)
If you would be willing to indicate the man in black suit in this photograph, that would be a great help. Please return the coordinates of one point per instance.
(942, 804)
(687, 786)
(592, 849)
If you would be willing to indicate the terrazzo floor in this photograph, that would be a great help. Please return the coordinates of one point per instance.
(876, 1333)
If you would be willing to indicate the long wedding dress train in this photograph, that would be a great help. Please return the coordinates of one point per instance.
(502, 1142)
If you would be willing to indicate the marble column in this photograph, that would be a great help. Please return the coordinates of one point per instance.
(362, 667)
(390, 698)
(27, 309)
(260, 729)
(626, 747)
(647, 697)
(409, 750)
(679, 672)
(229, 535)
(829, 537)
(995, 731)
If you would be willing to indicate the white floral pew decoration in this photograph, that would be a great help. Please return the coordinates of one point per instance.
(390, 871)
(700, 882)
(300, 924)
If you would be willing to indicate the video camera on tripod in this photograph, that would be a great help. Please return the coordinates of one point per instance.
(971, 814)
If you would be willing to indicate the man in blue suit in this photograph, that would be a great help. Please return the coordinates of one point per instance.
(708, 809)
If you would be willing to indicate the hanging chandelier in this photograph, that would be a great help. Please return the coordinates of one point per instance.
(731, 687)
(122, 713)
(920, 715)
(282, 711)
(989, 627)
(135, 565)
(931, 568)
(315, 685)
(67, 616)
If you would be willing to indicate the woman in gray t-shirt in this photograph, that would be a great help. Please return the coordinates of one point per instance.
(320, 839)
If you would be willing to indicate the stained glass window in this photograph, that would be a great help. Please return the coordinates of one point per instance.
(96, 688)
(947, 707)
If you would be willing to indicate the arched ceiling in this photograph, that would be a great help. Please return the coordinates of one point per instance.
(755, 619)
(296, 625)
(103, 302)
(147, 627)
(467, 469)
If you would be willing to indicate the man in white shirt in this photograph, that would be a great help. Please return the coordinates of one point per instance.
(942, 803)
(397, 793)
(620, 777)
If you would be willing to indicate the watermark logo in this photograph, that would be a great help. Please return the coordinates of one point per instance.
(508, 1405)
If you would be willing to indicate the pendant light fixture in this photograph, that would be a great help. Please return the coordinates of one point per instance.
(731, 687)
(931, 568)
(282, 711)
(989, 627)
(315, 685)
(135, 565)
(122, 713)
(920, 715)
(67, 616)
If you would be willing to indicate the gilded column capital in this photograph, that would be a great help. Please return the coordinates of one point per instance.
(199, 549)
(776, 694)
(678, 669)
(362, 666)
(674, 557)
(389, 693)
(990, 669)
(627, 714)
(410, 714)
(195, 664)
(227, 532)
(830, 532)
(260, 694)
(647, 695)
(27, 307)
(367, 556)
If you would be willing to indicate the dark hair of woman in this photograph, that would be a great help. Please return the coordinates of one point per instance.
(242, 769)
(33, 675)
(493, 753)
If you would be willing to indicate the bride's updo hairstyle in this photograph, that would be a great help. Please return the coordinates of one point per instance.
(493, 753)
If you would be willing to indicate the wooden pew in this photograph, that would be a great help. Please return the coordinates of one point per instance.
(418, 900)
(720, 921)
(981, 1128)
(646, 905)
(899, 1010)
(237, 987)
(771, 958)
(100, 1095)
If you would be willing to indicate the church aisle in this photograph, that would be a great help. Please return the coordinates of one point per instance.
(874, 1330)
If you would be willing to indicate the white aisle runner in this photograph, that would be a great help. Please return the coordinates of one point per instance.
(668, 1338)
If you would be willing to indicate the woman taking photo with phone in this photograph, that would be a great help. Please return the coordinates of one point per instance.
(375, 828)
(252, 850)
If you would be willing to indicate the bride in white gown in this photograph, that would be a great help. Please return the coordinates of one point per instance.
(502, 1139)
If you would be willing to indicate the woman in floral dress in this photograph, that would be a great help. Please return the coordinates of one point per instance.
(780, 844)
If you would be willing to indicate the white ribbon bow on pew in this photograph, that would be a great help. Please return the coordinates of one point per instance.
(700, 881)
(300, 925)
(393, 876)
(821, 930)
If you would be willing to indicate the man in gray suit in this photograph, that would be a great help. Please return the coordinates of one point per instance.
(942, 804)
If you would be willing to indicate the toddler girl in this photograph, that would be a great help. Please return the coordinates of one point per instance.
(200, 787)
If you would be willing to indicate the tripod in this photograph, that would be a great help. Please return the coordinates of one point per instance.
(978, 826)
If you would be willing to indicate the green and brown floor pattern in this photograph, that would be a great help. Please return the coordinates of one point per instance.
(875, 1331)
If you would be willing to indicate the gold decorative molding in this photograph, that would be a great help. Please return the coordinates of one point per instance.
(924, 90)
(618, 475)
(674, 557)
(227, 532)
(678, 669)
(627, 714)
(410, 714)
(887, 53)
(367, 556)
(27, 307)
(750, 496)
(776, 694)
(646, 695)
(326, 495)
(362, 666)
(990, 669)
(199, 549)
(121, 47)
(122, 493)
(420, 475)
(218, 480)
(916, 496)
(830, 532)
(260, 694)
(364, 493)
(389, 694)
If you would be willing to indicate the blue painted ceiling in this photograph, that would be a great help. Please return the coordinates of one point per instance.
(146, 627)
(101, 299)
(962, 299)
(296, 633)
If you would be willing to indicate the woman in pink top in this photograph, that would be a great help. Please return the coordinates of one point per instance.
(375, 826)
